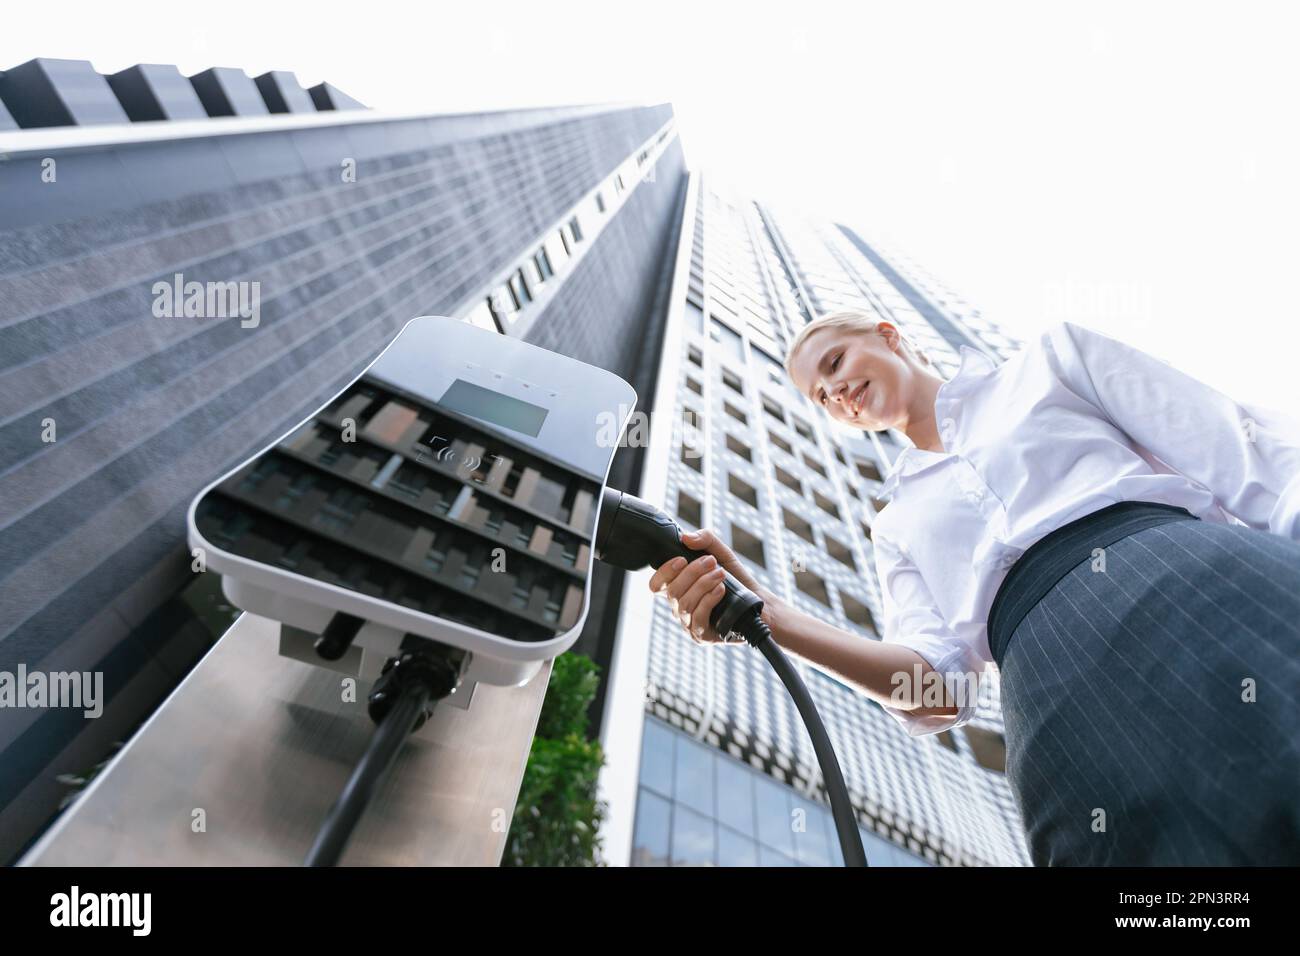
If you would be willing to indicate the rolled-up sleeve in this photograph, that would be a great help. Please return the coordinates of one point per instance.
(1247, 456)
(912, 620)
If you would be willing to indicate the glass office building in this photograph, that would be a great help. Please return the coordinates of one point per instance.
(710, 763)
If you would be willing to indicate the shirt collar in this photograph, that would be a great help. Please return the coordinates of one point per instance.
(974, 366)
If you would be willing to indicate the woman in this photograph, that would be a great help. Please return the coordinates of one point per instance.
(1121, 540)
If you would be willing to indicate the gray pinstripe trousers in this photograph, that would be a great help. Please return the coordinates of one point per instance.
(1152, 709)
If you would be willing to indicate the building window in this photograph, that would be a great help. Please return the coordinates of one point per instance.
(747, 545)
(652, 836)
(743, 490)
(858, 613)
(692, 457)
(732, 381)
(803, 428)
(813, 586)
(694, 317)
(798, 525)
(735, 413)
(600, 202)
(840, 552)
(533, 272)
(729, 338)
(543, 262)
(695, 356)
(868, 470)
(739, 447)
(688, 509)
(500, 303)
(519, 289)
(576, 229)
(773, 409)
(691, 417)
(773, 365)
(815, 465)
(694, 386)
(826, 504)
(787, 479)
(780, 443)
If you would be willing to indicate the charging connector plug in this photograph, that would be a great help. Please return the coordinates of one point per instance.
(399, 704)
(430, 676)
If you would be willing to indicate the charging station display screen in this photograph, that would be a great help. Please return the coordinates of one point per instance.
(489, 406)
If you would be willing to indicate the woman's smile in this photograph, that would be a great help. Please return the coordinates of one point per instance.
(857, 399)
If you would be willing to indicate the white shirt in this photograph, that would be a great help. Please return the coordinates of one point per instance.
(1074, 422)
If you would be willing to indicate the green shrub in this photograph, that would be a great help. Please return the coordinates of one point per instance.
(557, 816)
(575, 679)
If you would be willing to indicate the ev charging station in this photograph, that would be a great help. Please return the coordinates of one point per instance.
(448, 494)
(411, 557)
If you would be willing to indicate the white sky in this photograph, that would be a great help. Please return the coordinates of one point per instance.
(1132, 167)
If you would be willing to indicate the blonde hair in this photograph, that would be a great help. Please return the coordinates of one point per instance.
(853, 319)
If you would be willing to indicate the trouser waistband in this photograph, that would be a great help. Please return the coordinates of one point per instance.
(1053, 556)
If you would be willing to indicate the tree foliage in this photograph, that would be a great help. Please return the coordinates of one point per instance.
(557, 817)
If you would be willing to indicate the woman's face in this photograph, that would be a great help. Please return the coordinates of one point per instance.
(861, 379)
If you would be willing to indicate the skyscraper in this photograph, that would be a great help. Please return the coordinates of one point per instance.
(709, 761)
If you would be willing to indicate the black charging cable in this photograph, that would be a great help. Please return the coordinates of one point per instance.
(400, 703)
(756, 632)
(633, 534)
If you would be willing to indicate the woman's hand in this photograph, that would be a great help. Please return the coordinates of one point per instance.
(694, 589)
